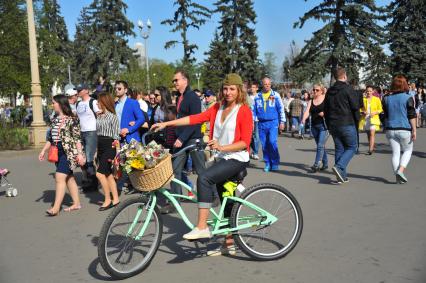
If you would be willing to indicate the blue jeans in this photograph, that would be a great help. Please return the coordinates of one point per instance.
(255, 139)
(295, 121)
(320, 135)
(346, 144)
(90, 143)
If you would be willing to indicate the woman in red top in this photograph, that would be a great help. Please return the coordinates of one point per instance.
(230, 136)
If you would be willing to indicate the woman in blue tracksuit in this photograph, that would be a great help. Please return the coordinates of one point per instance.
(268, 109)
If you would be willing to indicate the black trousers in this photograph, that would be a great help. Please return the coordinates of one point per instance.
(213, 178)
(198, 162)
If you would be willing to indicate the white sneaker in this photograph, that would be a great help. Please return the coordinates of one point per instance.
(198, 234)
(255, 157)
(222, 250)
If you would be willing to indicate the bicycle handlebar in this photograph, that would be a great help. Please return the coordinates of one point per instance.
(148, 134)
(199, 145)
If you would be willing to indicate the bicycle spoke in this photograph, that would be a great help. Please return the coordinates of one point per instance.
(273, 239)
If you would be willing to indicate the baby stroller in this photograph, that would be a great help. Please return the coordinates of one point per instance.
(4, 183)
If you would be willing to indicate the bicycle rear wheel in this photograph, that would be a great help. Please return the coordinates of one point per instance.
(267, 242)
(120, 253)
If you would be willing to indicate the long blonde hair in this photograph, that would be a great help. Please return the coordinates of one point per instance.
(242, 97)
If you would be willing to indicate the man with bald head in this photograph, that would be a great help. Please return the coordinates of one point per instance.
(268, 110)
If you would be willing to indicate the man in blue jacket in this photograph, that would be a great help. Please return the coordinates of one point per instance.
(130, 115)
(130, 118)
(268, 110)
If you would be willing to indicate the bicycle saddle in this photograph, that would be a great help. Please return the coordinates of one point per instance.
(239, 177)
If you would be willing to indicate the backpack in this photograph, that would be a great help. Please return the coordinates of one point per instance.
(90, 105)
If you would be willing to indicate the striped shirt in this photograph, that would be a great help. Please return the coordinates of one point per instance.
(107, 125)
(56, 124)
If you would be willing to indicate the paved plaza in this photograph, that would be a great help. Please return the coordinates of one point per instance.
(370, 230)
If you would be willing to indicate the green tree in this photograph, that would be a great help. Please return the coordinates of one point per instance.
(213, 67)
(350, 27)
(287, 73)
(188, 14)
(84, 61)
(161, 74)
(237, 32)
(101, 45)
(269, 65)
(377, 68)
(54, 45)
(407, 38)
(15, 72)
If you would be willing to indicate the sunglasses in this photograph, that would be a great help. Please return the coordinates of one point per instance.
(175, 81)
(316, 89)
(118, 88)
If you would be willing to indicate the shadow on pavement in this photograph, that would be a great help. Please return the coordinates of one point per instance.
(93, 271)
(48, 196)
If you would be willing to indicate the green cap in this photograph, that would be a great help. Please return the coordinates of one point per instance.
(232, 79)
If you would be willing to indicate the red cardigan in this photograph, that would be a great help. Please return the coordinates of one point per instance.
(243, 129)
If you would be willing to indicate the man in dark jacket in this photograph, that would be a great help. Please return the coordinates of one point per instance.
(187, 104)
(340, 105)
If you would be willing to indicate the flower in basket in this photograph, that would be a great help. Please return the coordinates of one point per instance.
(138, 163)
(134, 156)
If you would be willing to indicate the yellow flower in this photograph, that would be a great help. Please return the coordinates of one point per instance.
(137, 164)
(131, 153)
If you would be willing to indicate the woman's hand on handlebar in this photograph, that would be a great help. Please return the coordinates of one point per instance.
(157, 127)
(214, 145)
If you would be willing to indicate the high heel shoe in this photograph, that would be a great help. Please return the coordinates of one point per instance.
(50, 213)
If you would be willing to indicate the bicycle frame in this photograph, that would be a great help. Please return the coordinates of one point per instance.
(219, 225)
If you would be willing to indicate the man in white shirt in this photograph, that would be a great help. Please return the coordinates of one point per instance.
(72, 99)
(253, 91)
(286, 102)
(87, 109)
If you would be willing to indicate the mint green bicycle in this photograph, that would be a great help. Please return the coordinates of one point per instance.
(266, 223)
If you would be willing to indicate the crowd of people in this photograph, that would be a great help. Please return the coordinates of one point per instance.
(237, 121)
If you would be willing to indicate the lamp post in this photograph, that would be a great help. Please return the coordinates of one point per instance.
(198, 76)
(145, 35)
(154, 76)
(38, 126)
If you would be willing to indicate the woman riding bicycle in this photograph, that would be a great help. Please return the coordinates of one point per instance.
(230, 136)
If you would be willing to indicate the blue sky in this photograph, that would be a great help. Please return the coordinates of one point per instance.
(274, 26)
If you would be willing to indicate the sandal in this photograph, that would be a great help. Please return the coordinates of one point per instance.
(72, 208)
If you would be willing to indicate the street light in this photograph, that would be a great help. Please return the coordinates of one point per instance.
(145, 35)
(38, 126)
(198, 76)
(154, 76)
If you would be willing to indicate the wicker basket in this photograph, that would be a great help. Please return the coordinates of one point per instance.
(154, 178)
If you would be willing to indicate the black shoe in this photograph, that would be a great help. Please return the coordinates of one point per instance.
(314, 169)
(323, 168)
(103, 208)
(167, 209)
(111, 205)
(369, 153)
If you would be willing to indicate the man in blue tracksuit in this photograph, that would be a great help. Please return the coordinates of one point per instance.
(268, 109)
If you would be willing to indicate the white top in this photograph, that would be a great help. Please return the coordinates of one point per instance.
(86, 116)
(225, 135)
(143, 105)
(286, 103)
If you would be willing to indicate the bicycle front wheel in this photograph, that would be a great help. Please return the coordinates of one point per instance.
(263, 241)
(121, 253)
